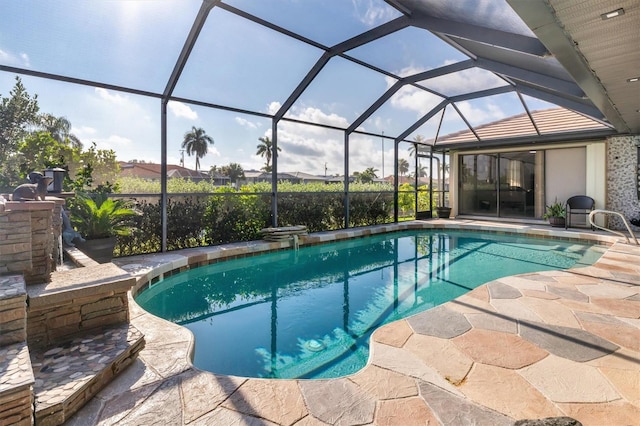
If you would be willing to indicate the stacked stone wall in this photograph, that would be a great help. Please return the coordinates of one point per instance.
(13, 310)
(16, 375)
(16, 392)
(622, 169)
(41, 247)
(15, 242)
(55, 323)
(75, 302)
(56, 225)
(28, 239)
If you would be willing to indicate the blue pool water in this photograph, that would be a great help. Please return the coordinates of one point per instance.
(309, 314)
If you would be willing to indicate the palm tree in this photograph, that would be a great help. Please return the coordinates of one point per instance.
(422, 171)
(197, 142)
(60, 129)
(414, 147)
(368, 175)
(234, 171)
(265, 149)
(403, 166)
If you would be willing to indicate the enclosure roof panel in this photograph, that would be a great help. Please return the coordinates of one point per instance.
(363, 66)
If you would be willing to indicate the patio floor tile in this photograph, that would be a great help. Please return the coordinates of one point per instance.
(278, 401)
(551, 312)
(163, 406)
(454, 410)
(574, 344)
(626, 382)
(605, 291)
(384, 384)
(203, 392)
(499, 349)
(615, 413)
(338, 402)
(515, 309)
(561, 380)
(510, 393)
(440, 322)
(394, 334)
(620, 334)
(441, 354)
(470, 305)
(621, 308)
(499, 290)
(493, 322)
(406, 412)
(223, 416)
(405, 362)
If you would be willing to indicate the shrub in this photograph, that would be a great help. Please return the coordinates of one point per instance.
(220, 215)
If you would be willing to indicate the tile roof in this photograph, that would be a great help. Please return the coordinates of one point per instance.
(152, 171)
(553, 120)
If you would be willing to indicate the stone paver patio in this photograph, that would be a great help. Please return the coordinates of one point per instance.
(558, 343)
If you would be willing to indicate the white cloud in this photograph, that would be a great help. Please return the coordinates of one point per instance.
(413, 99)
(273, 107)
(182, 110)
(213, 151)
(25, 59)
(467, 81)
(21, 59)
(246, 123)
(114, 98)
(309, 148)
(476, 116)
(405, 72)
(114, 142)
(84, 131)
(372, 15)
(316, 115)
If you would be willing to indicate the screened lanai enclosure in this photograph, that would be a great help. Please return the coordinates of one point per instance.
(324, 113)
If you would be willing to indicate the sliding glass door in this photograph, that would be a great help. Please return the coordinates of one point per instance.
(501, 184)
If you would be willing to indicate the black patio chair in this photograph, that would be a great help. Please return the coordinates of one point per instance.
(580, 205)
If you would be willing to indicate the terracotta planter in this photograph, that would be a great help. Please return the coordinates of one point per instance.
(556, 222)
(100, 250)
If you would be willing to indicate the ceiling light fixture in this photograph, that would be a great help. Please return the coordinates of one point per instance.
(633, 79)
(612, 14)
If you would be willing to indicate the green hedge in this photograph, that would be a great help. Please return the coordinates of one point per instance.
(230, 215)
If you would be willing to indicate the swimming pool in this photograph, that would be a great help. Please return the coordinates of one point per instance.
(310, 313)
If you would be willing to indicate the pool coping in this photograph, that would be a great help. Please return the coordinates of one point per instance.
(429, 391)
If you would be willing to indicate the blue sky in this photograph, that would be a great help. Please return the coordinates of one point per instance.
(135, 43)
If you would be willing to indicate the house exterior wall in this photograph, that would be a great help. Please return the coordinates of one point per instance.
(561, 181)
(622, 179)
(565, 174)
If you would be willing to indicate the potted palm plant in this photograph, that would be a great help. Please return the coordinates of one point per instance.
(100, 219)
(555, 214)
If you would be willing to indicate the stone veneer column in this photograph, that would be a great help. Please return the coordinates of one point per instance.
(56, 224)
(622, 191)
(26, 244)
(15, 242)
(13, 310)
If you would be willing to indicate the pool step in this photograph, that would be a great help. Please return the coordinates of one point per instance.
(68, 375)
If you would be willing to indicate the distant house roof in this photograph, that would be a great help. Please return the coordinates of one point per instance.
(553, 120)
(258, 175)
(152, 171)
(309, 177)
